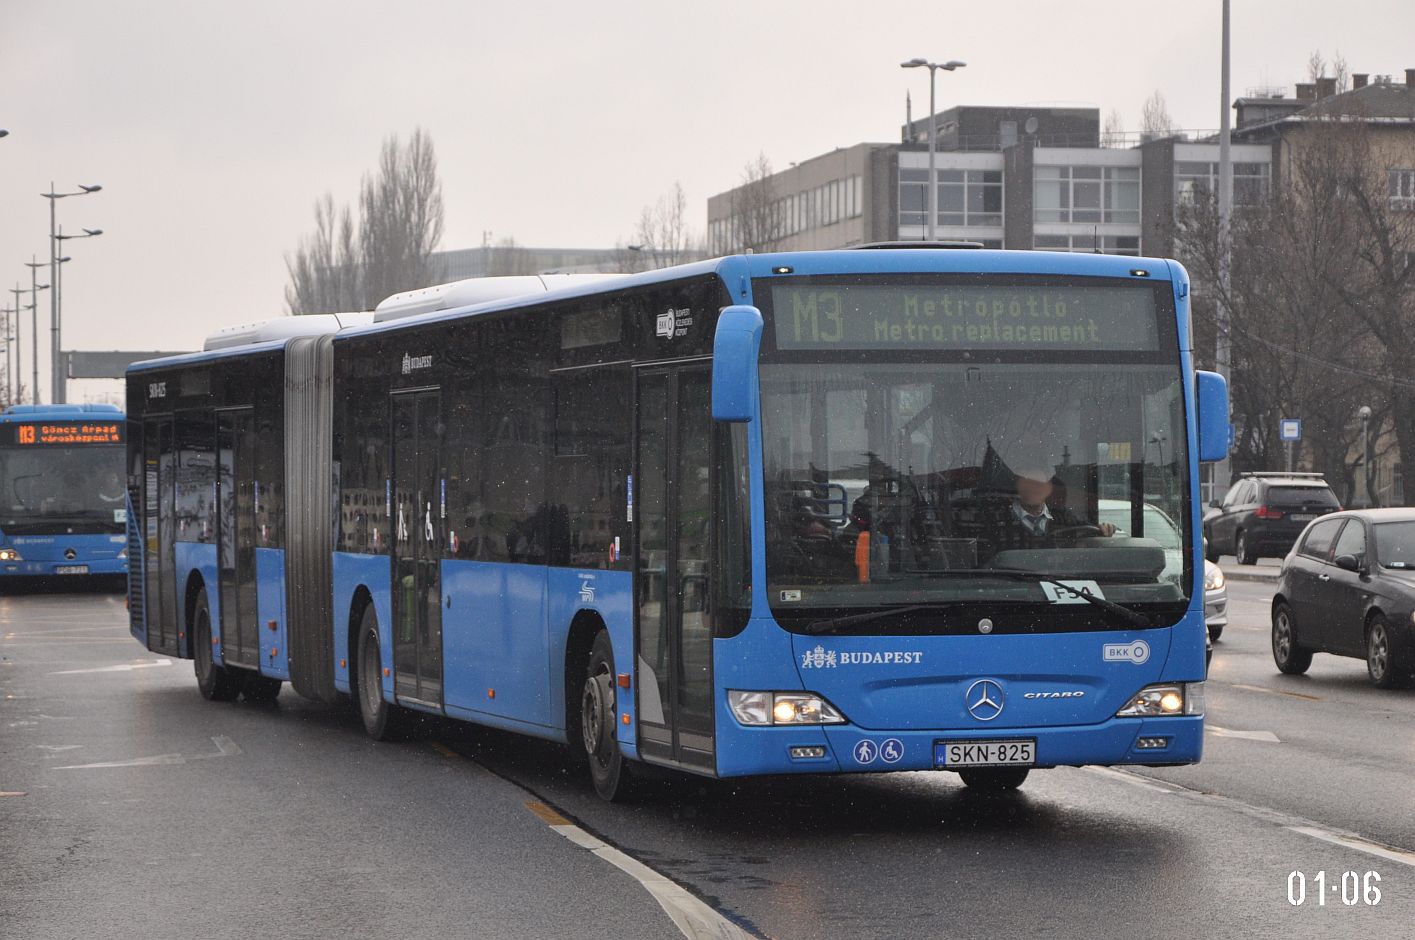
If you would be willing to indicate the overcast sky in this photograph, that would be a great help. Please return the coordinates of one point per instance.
(213, 127)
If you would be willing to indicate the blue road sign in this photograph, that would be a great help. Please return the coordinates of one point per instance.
(1290, 429)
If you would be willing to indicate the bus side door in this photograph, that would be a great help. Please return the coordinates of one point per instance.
(673, 550)
(416, 546)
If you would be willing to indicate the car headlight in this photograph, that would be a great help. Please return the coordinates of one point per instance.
(1213, 576)
(1176, 698)
(10, 554)
(782, 708)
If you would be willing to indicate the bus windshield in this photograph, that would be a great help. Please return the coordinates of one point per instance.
(61, 489)
(938, 479)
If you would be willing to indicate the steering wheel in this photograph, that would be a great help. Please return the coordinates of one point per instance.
(1083, 531)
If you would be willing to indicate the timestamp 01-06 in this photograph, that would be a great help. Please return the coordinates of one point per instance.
(1352, 887)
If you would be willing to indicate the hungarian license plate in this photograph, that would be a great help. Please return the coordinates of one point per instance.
(985, 753)
(1303, 516)
(71, 569)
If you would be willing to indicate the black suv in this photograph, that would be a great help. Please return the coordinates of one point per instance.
(1263, 513)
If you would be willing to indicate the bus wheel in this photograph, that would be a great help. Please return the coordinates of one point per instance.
(598, 735)
(217, 683)
(993, 779)
(261, 688)
(382, 720)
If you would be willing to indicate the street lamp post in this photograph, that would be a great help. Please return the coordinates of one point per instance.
(17, 290)
(60, 381)
(933, 68)
(9, 340)
(34, 288)
(58, 392)
(1364, 413)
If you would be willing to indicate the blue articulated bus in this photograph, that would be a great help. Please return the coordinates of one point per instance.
(63, 505)
(783, 513)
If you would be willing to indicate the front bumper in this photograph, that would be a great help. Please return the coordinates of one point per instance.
(48, 568)
(1216, 608)
(767, 750)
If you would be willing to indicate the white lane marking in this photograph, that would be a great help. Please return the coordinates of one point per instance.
(225, 747)
(1360, 845)
(58, 747)
(1267, 691)
(695, 919)
(1275, 817)
(125, 667)
(1266, 736)
(1133, 780)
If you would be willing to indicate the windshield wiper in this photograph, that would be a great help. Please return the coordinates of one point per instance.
(1119, 612)
(832, 624)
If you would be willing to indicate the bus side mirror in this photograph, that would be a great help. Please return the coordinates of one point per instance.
(1212, 399)
(735, 347)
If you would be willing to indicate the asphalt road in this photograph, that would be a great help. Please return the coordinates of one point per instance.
(148, 811)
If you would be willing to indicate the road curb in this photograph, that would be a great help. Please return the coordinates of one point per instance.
(1261, 577)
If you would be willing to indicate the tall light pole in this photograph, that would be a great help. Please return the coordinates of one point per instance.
(933, 68)
(1364, 413)
(34, 288)
(9, 369)
(17, 290)
(57, 393)
(1223, 342)
(60, 392)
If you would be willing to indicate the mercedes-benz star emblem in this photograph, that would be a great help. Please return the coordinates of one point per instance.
(984, 699)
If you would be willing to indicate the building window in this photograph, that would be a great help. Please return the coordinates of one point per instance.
(1195, 183)
(965, 197)
(1108, 244)
(1087, 194)
(1402, 189)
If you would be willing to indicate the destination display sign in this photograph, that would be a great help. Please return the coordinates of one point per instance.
(61, 433)
(961, 317)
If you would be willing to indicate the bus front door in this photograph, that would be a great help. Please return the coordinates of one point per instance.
(235, 537)
(672, 516)
(417, 547)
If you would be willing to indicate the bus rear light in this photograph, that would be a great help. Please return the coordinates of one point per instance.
(782, 708)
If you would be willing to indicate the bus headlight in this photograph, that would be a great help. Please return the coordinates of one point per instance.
(1180, 698)
(10, 554)
(782, 708)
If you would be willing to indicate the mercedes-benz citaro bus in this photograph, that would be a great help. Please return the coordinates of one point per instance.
(813, 512)
(63, 503)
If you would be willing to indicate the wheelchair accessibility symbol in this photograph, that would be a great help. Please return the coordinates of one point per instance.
(891, 751)
(866, 752)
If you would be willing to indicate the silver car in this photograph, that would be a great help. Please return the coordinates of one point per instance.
(1215, 600)
(1160, 527)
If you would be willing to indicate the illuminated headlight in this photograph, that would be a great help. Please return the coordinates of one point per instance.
(1181, 698)
(9, 554)
(123, 555)
(782, 708)
(1213, 576)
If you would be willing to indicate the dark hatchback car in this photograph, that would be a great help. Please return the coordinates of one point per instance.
(1348, 588)
(1263, 513)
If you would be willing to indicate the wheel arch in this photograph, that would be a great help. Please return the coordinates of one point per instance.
(579, 641)
(195, 584)
(361, 600)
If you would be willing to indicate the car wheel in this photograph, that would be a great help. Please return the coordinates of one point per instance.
(216, 683)
(993, 779)
(1291, 659)
(1240, 550)
(1384, 660)
(1211, 550)
(1215, 631)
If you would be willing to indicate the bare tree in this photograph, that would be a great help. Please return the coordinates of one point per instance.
(351, 265)
(1155, 122)
(755, 217)
(1317, 68)
(662, 236)
(1322, 312)
(1114, 133)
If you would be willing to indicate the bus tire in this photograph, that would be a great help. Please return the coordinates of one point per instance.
(216, 683)
(260, 688)
(382, 719)
(599, 738)
(993, 779)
